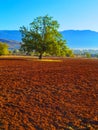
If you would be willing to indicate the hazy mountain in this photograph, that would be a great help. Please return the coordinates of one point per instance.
(81, 38)
(12, 44)
(75, 38)
(10, 35)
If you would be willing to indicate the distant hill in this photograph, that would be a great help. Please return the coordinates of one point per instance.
(12, 44)
(10, 35)
(81, 38)
(76, 39)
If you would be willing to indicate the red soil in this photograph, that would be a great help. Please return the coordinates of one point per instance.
(39, 95)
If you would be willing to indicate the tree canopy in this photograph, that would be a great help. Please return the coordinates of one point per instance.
(3, 49)
(42, 36)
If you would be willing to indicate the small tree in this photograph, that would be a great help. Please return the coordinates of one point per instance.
(43, 36)
(69, 53)
(3, 49)
(88, 55)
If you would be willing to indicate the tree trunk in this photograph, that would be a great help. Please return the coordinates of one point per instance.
(40, 56)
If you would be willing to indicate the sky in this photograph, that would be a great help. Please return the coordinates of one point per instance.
(70, 14)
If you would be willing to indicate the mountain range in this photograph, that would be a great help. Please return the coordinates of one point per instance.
(76, 39)
(84, 39)
(11, 37)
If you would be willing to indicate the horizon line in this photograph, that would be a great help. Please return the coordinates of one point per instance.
(58, 30)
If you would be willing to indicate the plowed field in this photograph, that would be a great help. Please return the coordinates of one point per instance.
(44, 95)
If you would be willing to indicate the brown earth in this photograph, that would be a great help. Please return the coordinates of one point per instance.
(42, 95)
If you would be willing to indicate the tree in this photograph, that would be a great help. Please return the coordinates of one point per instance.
(43, 36)
(69, 53)
(3, 49)
(88, 55)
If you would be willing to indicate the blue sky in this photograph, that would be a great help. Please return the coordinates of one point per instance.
(70, 14)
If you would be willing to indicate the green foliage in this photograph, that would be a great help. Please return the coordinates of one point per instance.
(88, 55)
(42, 36)
(69, 53)
(3, 49)
(97, 55)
